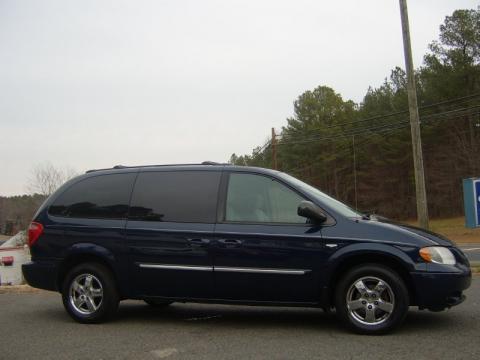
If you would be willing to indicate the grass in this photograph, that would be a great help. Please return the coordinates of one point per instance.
(454, 229)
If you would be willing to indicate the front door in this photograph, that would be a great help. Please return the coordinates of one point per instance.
(264, 251)
(169, 233)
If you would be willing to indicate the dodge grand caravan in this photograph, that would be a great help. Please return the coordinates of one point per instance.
(237, 235)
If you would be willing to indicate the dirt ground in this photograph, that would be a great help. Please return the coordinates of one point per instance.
(18, 289)
(454, 229)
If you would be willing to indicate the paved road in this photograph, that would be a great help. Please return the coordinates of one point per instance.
(472, 251)
(35, 326)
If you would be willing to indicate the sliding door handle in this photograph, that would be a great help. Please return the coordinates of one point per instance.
(198, 242)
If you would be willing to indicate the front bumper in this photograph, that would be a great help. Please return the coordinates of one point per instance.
(439, 290)
(41, 274)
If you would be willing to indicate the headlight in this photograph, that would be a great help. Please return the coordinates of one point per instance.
(438, 255)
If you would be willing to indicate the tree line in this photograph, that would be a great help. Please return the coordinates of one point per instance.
(362, 153)
(16, 212)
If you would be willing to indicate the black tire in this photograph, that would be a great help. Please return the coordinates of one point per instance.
(101, 278)
(393, 297)
(158, 303)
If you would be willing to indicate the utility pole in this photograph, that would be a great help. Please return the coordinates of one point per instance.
(355, 171)
(274, 150)
(421, 193)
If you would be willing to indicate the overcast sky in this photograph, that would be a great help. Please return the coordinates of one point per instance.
(92, 84)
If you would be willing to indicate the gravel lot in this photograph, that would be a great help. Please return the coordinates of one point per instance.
(35, 326)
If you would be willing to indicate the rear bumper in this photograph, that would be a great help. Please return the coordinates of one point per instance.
(42, 275)
(439, 290)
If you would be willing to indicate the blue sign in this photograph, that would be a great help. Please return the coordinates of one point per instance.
(471, 200)
(477, 200)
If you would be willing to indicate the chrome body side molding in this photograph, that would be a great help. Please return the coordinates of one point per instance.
(261, 271)
(176, 267)
(225, 269)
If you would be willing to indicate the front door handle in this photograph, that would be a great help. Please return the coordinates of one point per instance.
(198, 242)
(230, 242)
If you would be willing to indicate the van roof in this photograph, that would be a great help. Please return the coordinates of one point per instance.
(118, 167)
(210, 165)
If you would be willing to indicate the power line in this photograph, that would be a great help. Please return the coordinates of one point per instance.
(265, 146)
(346, 135)
(360, 131)
(460, 99)
(347, 148)
(448, 112)
(385, 116)
(344, 150)
(384, 128)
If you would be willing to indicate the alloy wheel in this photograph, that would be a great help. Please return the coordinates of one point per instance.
(370, 300)
(86, 294)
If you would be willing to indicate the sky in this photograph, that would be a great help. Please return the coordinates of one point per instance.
(93, 84)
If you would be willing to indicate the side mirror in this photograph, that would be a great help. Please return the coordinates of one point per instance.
(311, 211)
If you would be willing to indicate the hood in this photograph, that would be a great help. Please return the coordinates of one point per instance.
(430, 236)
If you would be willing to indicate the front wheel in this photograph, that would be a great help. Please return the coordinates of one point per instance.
(371, 299)
(89, 293)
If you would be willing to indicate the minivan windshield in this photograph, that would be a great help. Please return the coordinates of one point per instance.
(332, 203)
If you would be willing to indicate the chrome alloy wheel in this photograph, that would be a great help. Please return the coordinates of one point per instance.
(86, 294)
(370, 300)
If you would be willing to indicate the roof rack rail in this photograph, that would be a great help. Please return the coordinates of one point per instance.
(116, 167)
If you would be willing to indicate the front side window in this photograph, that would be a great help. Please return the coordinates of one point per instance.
(322, 197)
(175, 196)
(260, 199)
(97, 197)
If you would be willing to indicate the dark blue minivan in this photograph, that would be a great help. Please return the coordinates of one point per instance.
(237, 235)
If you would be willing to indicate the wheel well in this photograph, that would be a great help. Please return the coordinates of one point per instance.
(72, 261)
(384, 260)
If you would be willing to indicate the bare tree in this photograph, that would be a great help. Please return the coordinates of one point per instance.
(45, 178)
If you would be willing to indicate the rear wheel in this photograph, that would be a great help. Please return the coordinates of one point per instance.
(371, 299)
(89, 293)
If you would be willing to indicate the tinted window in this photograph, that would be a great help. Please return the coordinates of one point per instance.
(176, 196)
(256, 198)
(103, 196)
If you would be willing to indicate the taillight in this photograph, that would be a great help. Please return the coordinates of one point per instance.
(34, 231)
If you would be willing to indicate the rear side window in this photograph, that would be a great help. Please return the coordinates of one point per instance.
(97, 197)
(176, 196)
